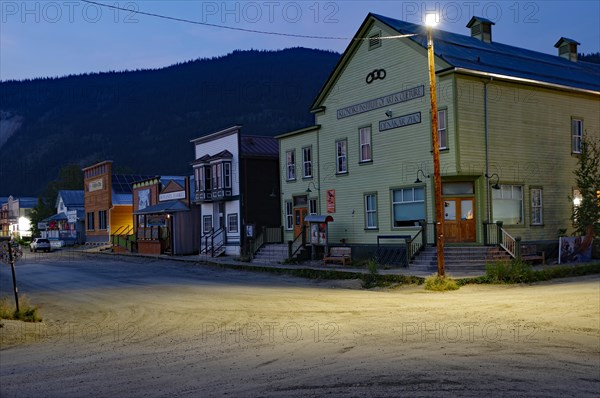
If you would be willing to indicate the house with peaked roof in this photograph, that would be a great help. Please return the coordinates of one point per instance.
(510, 127)
(165, 221)
(67, 225)
(235, 180)
(15, 216)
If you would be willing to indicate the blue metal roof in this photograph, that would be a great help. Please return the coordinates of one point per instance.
(72, 198)
(253, 145)
(467, 52)
(171, 206)
(27, 202)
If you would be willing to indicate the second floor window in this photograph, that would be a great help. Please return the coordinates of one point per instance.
(290, 157)
(576, 135)
(341, 157)
(226, 175)
(365, 144)
(442, 130)
(307, 162)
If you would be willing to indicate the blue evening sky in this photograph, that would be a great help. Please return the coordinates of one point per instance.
(57, 38)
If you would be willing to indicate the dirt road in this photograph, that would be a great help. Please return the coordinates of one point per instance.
(133, 328)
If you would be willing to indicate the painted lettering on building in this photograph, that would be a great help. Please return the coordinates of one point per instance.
(171, 196)
(400, 121)
(95, 185)
(381, 102)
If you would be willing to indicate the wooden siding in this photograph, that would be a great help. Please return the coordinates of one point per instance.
(529, 144)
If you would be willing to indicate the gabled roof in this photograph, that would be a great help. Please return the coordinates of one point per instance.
(468, 54)
(259, 146)
(225, 154)
(72, 198)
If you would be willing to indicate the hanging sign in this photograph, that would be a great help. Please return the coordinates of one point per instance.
(331, 201)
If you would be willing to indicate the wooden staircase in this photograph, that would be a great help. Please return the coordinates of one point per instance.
(272, 253)
(458, 258)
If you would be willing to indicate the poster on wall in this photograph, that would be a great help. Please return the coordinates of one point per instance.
(331, 201)
(575, 249)
(318, 234)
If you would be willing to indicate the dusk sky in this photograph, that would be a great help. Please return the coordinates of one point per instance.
(58, 38)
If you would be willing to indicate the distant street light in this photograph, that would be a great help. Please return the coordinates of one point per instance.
(431, 20)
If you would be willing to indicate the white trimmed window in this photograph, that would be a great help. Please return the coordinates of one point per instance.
(536, 206)
(507, 204)
(290, 157)
(408, 206)
(207, 224)
(371, 211)
(442, 129)
(232, 223)
(576, 135)
(312, 206)
(227, 175)
(289, 215)
(307, 162)
(365, 144)
(341, 157)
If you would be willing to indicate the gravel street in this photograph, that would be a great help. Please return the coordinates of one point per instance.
(135, 327)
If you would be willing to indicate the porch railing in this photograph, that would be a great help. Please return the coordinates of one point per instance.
(298, 243)
(124, 237)
(508, 243)
(212, 242)
(416, 243)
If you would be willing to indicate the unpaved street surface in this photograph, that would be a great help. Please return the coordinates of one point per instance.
(132, 327)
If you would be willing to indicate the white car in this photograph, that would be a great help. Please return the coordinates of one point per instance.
(40, 244)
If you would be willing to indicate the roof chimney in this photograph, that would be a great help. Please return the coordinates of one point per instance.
(481, 28)
(567, 48)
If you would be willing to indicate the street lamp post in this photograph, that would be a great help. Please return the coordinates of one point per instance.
(431, 20)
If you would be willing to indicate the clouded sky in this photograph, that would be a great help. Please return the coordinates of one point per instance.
(57, 38)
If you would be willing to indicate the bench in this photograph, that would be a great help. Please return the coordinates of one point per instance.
(339, 254)
(530, 253)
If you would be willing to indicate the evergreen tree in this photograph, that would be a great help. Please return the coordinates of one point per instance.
(586, 215)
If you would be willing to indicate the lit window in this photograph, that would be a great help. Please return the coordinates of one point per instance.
(371, 211)
(365, 144)
(341, 157)
(576, 135)
(536, 206)
(507, 204)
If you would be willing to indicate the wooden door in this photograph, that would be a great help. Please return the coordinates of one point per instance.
(459, 220)
(299, 214)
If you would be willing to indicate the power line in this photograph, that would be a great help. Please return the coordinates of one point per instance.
(263, 32)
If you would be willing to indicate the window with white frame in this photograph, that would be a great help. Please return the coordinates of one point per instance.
(102, 220)
(442, 129)
(576, 135)
(370, 211)
(307, 162)
(536, 206)
(507, 204)
(290, 157)
(232, 222)
(408, 206)
(312, 206)
(365, 144)
(207, 226)
(341, 157)
(199, 178)
(217, 172)
(289, 215)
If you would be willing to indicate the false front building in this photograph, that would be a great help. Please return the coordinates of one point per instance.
(510, 126)
(235, 180)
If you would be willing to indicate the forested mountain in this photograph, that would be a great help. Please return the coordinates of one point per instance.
(143, 120)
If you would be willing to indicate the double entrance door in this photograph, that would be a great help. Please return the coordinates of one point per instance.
(459, 220)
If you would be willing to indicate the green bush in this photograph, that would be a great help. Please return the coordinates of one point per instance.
(440, 283)
(27, 312)
(514, 271)
(372, 266)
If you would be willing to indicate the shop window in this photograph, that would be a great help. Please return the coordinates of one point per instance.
(90, 221)
(408, 206)
(507, 204)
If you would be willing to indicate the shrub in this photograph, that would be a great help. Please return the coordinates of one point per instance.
(372, 267)
(440, 283)
(513, 271)
(27, 312)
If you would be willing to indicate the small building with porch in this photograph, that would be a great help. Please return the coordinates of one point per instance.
(67, 225)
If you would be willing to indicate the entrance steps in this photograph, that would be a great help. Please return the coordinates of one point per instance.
(458, 258)
(272, 253)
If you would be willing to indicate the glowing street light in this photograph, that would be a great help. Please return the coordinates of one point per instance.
(432, 20)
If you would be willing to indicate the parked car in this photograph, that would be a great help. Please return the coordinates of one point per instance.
(40, 244)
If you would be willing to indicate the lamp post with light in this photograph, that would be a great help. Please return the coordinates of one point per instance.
(430, 21)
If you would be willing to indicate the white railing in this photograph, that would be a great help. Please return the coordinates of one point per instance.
(508, 243)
